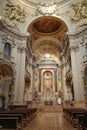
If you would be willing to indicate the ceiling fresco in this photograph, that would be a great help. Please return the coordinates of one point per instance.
(47, 25)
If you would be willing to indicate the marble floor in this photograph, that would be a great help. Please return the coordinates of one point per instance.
(49, 121)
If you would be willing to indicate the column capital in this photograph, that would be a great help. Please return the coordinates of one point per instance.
(74, 48)
(21, 48)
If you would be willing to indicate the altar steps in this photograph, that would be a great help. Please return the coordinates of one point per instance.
(53, 109)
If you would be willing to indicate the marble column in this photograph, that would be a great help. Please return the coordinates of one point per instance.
(75, 72)
(30, 92)
(20, 76)
(64, 70)
(39, 80)
(55, 80)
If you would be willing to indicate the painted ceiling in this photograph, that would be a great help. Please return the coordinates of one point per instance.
(47, 25)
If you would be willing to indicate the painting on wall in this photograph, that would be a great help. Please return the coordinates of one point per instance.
(7, 50)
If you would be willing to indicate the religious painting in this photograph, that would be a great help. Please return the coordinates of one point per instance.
(47, 82)
(7, 50)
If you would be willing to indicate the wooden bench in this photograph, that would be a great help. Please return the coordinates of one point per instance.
(32, 112)
(82, 121)
(20, 118)
(24, 113)
(71, 114)
(9, 123)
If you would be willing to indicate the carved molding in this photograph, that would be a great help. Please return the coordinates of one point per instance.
(12, 32)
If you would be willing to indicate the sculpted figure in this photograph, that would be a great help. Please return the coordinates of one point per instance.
(14, 14)
(78, 11)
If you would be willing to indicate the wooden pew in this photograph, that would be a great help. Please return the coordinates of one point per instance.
(75, 114)
(9, 123)
(32, 112)
(82, 121)
(24, 113)
(19, 116)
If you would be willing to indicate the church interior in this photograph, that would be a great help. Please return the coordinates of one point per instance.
(43, 64)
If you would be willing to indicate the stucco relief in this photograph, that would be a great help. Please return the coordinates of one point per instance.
(78, 13)
(13, 14)
(47, 8)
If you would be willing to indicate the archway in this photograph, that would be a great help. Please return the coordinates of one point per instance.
(47, 42)
(6, 85)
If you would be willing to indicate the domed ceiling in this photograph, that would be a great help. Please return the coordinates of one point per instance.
(46, 25)
(47, 34)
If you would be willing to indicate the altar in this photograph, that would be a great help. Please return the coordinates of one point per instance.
(48, 103)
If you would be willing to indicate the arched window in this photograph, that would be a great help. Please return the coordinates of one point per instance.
(7, 50)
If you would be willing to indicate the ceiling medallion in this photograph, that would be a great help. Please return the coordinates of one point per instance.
(47, 8)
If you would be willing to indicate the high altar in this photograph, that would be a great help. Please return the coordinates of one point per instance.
(47, 84)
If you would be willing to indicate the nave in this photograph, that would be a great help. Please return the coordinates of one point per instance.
(49, 121)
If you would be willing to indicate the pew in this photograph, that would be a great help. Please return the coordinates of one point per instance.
(12, 107)
(19, 116)
(9, 123)
(27, 114)
(32, 112)
(72, 114)
(82, 121)
(24, 113)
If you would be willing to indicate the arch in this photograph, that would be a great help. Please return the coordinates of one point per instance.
(6, 70)
(48, 39)
(29, 21)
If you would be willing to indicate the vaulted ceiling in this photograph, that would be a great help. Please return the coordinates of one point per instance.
(47, 34)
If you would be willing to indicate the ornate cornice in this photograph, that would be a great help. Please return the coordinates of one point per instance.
(77, 33)
(12, 32)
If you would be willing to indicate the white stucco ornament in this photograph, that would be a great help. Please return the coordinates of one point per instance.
(78, 13)
(47, 8)
(13, 14)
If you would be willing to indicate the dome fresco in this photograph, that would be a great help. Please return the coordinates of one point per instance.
(50, 25)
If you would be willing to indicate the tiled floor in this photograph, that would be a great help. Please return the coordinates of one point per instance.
(49, 121)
